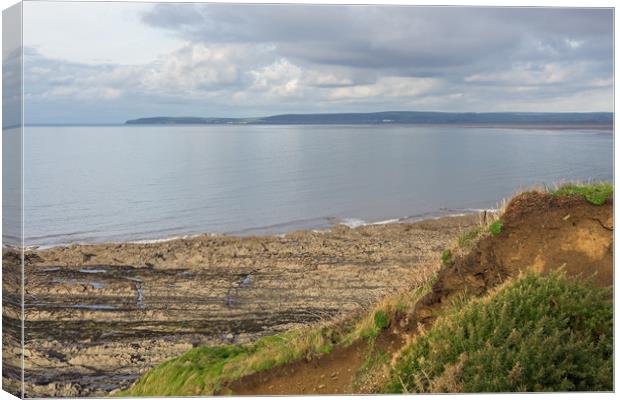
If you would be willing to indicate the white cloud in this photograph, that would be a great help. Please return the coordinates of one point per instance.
(190, 71)
(279, 79)
(387, 87)
(573, 44)
(194, 68)
(522, 74)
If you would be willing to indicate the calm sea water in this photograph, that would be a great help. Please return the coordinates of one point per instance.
(94, 184)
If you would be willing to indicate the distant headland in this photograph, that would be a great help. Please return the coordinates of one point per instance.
(594, 119)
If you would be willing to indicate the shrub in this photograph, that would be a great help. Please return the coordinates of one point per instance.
(595, 193)
(535, 334)
(496, 227)
(382, 320)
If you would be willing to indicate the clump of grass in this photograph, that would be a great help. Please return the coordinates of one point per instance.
(537, 333)
(446, 258)
(467, 238)
(370, 325)
(496, 227)
(594, 193)
(382, 320)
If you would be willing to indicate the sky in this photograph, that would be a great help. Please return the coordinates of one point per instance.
(109, 62)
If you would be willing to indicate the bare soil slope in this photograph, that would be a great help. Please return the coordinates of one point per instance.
(540, 231)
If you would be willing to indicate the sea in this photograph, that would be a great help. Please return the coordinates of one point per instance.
(90, 184)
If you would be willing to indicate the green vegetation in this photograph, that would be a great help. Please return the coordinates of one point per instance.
(496, 227)
(382, 320)
(595, 193)
(537, 333)
(446, 258)
(403, 303)
(204, 370)
(469, 237)
(194, 369)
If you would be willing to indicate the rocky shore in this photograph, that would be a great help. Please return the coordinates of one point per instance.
(97, 316)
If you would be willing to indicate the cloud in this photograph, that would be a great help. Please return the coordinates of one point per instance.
(240, 60)
(527, 74)
(280, 78)
(399, 87)
(189, 71)
(394, 36)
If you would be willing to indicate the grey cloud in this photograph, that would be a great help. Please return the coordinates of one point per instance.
(538, 53)
(243, 60)
(389, 36)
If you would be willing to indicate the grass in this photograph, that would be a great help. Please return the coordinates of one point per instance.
(382, 320)
(371, 324)
(496, 227)
(536, 333)
(469, 237)
(446, 258)
(204, 370)
(595, 193)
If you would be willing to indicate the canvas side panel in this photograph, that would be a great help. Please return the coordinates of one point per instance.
(12, 211)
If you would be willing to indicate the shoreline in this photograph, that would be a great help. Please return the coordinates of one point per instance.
(270, 230)
(602, 127)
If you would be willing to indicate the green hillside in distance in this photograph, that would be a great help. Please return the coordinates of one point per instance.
(397, 117)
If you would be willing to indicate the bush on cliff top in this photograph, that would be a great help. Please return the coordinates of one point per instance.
(538, 333)
(595, 193)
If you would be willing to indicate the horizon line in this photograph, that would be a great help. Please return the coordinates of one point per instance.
(300, 113)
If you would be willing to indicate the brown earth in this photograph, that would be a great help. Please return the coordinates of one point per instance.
(334, 373)
(330, 374)
(540, 231)
(98, 316)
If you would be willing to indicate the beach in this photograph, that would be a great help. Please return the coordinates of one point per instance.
(99, 315)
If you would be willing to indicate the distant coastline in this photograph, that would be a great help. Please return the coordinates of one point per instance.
(598, 120)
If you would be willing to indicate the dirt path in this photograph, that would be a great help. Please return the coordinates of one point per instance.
(540, 232)
(330, 374)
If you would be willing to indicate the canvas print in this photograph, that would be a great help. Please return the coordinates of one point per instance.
(293, 199)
